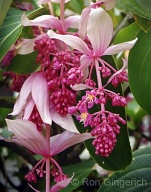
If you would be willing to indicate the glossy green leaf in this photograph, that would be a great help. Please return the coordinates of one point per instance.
(81, 172)
(76, 6)
(117, 159)
(121, 6)
(139, 70)
(4, 6)
(139, 7)
(135, 179)
(10, 30)
(127, 34)
(143, 23)
(135, 112)
(12, 27)
(24, 64)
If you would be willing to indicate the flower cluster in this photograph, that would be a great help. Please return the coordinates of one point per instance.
(69, 62)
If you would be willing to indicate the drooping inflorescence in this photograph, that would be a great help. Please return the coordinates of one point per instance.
(70, 62)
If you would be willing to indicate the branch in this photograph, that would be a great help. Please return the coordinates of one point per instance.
(6, 103)
(123, 23)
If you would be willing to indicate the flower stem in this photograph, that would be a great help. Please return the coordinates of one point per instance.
(62, 6)
(50, 8)
(48, 160)
(98, 74)
(99, 80)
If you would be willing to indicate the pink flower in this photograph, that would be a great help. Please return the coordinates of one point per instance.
(46, 21)
(34, 92)
(109, 4)
(99, 31)
(27, 135)
(50, 21)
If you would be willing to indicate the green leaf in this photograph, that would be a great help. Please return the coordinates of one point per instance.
(139, 68)
(12, 28)
(81, 172)
(4, 6)
(135, 179)
(135, 112)
(139, 7)
(24, 64)
(127, 34)
(121, 6)
(76, 5)
(117, 159)
(143, 23)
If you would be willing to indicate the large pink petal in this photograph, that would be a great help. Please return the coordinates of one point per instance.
(65, 122)
(99, 30)
(72, 41)
(23, 95)
(114, 49)
(66, 139)
(23, 129)
(28, 109)
(72, 22)
(60, 185)
(83, 24)
(26, 134)
(47, 21)
(40, 94)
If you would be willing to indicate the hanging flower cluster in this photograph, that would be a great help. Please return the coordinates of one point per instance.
(69, 62)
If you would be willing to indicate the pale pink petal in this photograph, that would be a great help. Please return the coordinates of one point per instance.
(66, 139)
(60, 185)
(99, 30)
(109, 4)
(114, 49)
(23, 95)
(83, 24)
(72, 22)
(79, 87)
(28, 109)
(26, 134)
(85, 62)
(47, 21)
(65, 122)
(40, 94)
(59, 1)
(23, 129)
(27, 46)
(125, 62)
(73, 41)
(40, 2)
